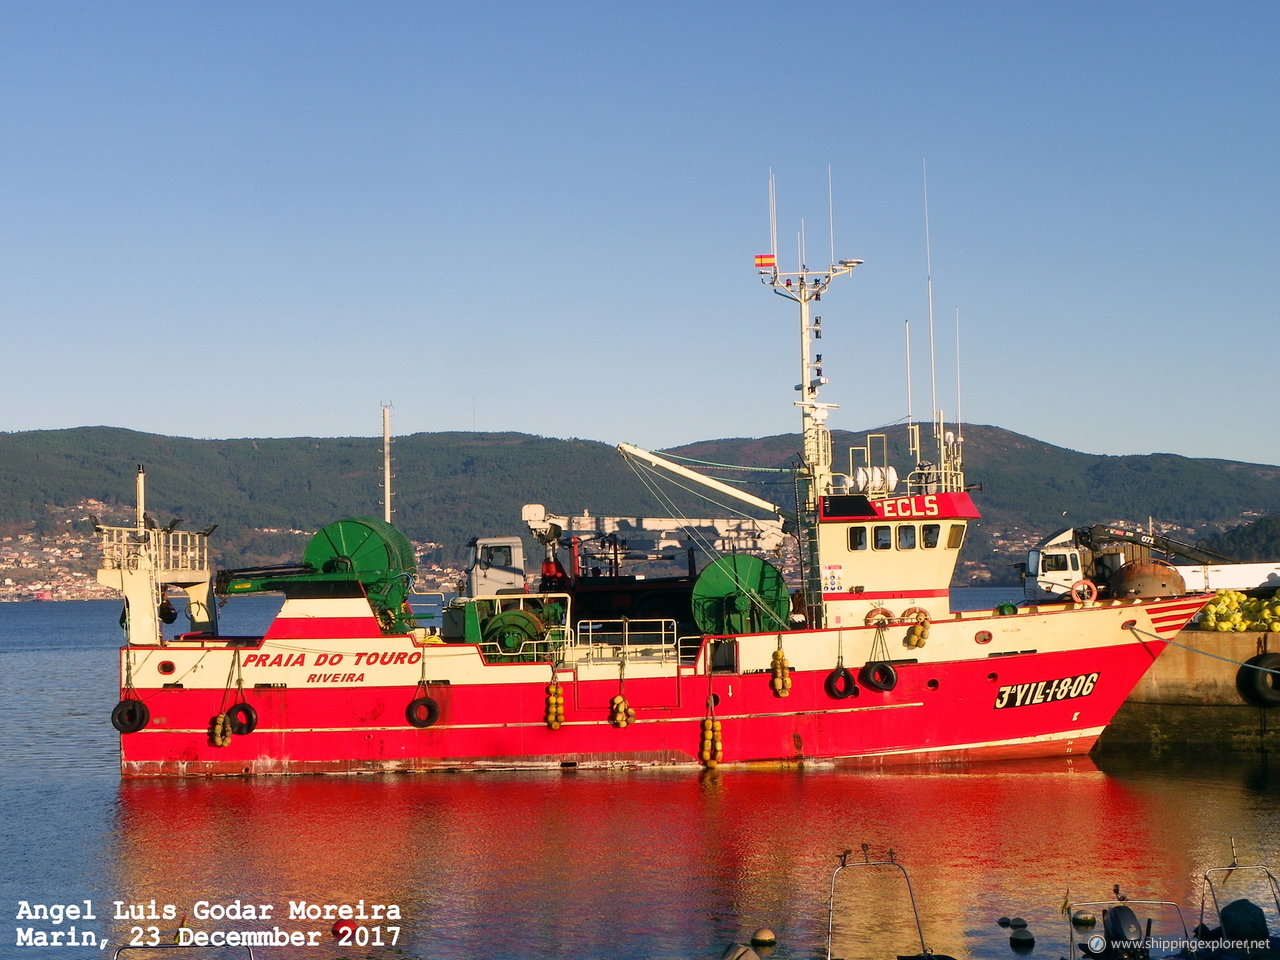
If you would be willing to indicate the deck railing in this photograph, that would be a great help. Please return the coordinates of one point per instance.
(654, 640)
(123, 548)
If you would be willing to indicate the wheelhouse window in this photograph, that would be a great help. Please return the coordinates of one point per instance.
(955, 536)
(857, 538)
(930, 534)
(882, 538)
(907, 536)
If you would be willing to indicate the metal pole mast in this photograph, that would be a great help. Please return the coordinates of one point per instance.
(386, 462)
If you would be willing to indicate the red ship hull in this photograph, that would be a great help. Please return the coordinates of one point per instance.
(1021, 691)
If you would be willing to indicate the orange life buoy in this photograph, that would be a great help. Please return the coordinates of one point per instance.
(1084, 591)
(915, 615)
(879, 615)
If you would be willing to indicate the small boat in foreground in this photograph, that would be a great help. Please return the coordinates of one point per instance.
(862, 662)
(740, 951)
(893, 864)
(1239, 926)
(145, 952)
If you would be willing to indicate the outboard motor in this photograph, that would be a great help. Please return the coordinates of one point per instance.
(1243, 921)
(1124, 934)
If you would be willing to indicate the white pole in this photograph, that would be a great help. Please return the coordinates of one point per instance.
(773, 217)
(140, 498)
(928, 266)
(959, 420)
(386, 462)
(831, 216)
(907, 326)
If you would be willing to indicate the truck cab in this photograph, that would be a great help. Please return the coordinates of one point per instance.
(495, 566)
(1052, 567)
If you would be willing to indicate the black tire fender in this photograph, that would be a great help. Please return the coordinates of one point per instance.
(879, 675)
(242, 718)
(130, 716)
(1257, 687)
(840, 684)
(422, 712)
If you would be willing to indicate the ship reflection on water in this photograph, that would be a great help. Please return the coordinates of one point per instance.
(665, 864)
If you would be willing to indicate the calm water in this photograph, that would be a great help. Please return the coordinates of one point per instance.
(633, 864)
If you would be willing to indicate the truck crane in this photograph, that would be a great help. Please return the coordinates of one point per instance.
(1118, 562)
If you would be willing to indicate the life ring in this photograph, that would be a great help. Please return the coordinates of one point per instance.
(840, 684)
(1257, 687)
(879, 675)
(422, 712)
(915, 615)
(242, 719)
(1084, 591)
(877, 616)
(130, 716)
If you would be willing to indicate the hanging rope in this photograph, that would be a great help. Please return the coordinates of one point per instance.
(220, 725)
(232, 672)
(644, 473)
(649, 477)
(879, 645)
(620, 712)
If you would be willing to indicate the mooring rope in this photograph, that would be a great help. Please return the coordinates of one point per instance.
(1206, 653)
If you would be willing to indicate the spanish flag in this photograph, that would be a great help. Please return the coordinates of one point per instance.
(766, 260)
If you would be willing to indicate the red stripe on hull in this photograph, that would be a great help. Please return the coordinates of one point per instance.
(322, 628)
(937, 713)
(1168, 618)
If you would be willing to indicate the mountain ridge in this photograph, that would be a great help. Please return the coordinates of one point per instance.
(455, 485)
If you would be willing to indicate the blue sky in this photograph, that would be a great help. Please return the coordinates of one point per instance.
(267, 219)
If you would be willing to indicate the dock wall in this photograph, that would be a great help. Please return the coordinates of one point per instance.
(1203, 674)
(1188, 700)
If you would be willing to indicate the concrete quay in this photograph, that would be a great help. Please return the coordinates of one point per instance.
(1188, 700)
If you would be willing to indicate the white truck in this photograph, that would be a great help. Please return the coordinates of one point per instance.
(1096, 554)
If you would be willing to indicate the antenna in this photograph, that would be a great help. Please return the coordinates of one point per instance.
(386, 462)
(928, 266)
(907, 326)
(831, 216)
(959, 419)
(773, 216)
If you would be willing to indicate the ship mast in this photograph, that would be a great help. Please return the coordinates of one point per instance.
(142, 561)
(805, 287)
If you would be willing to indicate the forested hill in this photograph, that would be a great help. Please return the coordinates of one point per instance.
(450, 487)
(1029, 489)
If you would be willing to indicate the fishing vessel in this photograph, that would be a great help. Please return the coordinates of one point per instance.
(862, 661)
